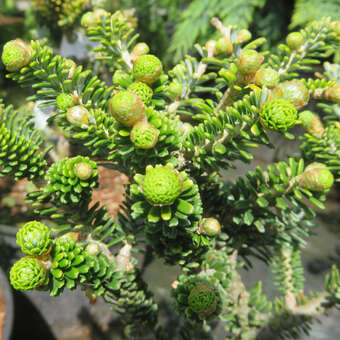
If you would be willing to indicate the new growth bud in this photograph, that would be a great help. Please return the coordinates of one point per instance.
(127, 108)
(16, 54)
(317, 177)
(249, 61)
(295, 40)
(147, 69)
(161, 185)
(144, 135)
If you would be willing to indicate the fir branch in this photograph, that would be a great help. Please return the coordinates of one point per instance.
(116, 37)
(21, 146)
(318, 43)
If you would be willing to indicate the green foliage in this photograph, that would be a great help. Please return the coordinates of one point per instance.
(65, 185)
(306, 11)
(172, 133)
(21, 153)
(194, 21)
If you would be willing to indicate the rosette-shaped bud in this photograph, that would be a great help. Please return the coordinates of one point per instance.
(294, 91)
(16, 54)
(224, 46)
(161, 185)
(83, 170)
(34, 238)
(197, 299)
(317, 177)
(78, 115)
(65, 101)
(144, 135)
(127, 108)
(249, 61)
(210, 226)
(311, 122)
(164, 193)
(90, 19)
(147, 69)
(121, 78)
(139, 50)
(278, 115)
(243, 36)
(333, 94)
(295, 40)
(142, 90)
(71, 180)
(174, 90)
(267, 77)
(92, 249)
(28, 273)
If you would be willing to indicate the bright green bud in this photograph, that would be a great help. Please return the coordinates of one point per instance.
(333, 94)
(311, 122)
(16, 54)
(147, 69)
(202, 300)
(78, 115)
(174, 89)
(224, 46)
(144, 135)
(278, 115)
(295, 40)
(83, 170)
(65, 101)
(127, 108)
(210, 226)
(142, 90)
(140, 49)
(335, 26)
(121, 78)
(249, 61)
(27, 273)
(90, 19)
(243, 36)
(317, 177)
(294, 91)
(267, 77)
(161, 185)
(34, 238)
(92, 249)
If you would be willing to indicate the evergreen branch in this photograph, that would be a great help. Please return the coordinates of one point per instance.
(323, 148)
(53, 75)
(288, 273)
(115, 36)
(226, 136)
(318, 41)
(21, 153)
